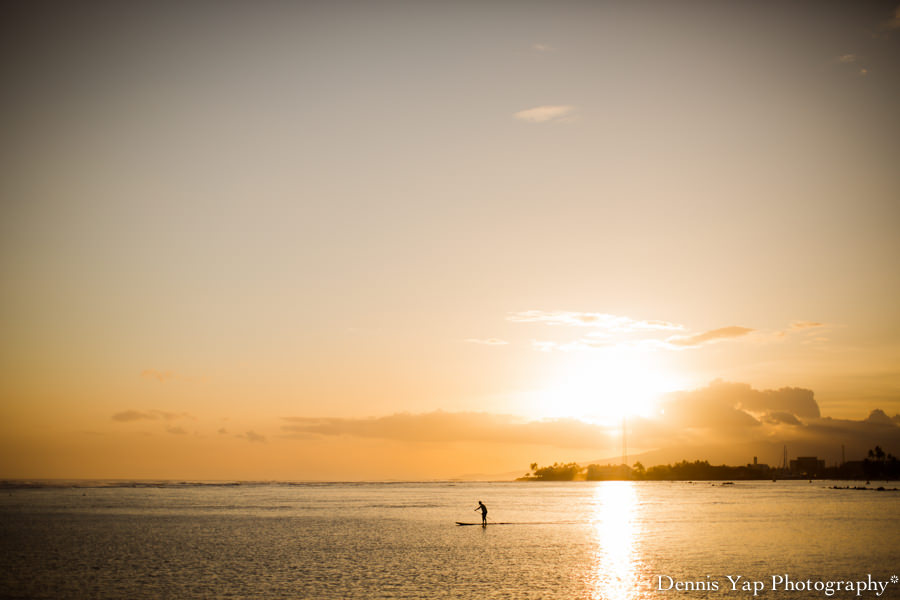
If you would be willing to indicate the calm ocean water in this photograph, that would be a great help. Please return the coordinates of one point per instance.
(613, 540)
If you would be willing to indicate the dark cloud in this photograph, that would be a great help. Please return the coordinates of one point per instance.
(150, 415)
(879, 416)
(727, 420)
(725, 406)
(717, 406)
(252, 436)
(131, 415)
(798, 401)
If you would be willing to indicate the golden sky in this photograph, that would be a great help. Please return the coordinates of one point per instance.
(368, 240)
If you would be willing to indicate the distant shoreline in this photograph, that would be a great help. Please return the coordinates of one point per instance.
(878, 467)
(26, 484)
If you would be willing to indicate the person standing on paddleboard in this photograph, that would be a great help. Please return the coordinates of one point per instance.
(483, 510)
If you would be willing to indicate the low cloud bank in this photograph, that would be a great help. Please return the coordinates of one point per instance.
(443, 427)
(720, 415)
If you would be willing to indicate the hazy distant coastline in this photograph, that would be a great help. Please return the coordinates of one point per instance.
(877, 466)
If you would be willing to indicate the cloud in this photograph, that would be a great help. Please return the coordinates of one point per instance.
(131, 415)
(724, 422)
(176, 430)
(578, 345)
(775, 418)
(707, 337)
(811, 331)
(799, 325)
(545, 346)
(605, 330)
(796, 401)
(608, 330)
(604, 321)
(252, 436)
(542, 114)
(879, 416)
(544, 48)
(726, 412)
(488, 342)
(716, 407)
(852, 59)
(741, 397)
(150, 415)
(160, 376)
(446, 427)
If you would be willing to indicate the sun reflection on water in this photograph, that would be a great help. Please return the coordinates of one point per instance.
(616, 561)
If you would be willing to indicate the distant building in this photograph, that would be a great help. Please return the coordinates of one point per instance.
(807, 465)
(758, 465)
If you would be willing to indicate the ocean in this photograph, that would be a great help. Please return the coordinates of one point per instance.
(573, 540)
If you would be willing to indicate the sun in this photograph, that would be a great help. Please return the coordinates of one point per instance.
(606, 386)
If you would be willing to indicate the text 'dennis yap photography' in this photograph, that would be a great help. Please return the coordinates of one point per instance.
(396, 299)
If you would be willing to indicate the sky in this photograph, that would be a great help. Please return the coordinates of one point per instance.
(424, 240)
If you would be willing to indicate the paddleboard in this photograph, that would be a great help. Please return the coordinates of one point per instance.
(523, 523)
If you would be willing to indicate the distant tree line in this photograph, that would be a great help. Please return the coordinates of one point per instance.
(682, 471)
(878, 465)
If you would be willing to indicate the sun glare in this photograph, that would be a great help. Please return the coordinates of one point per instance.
(607, 387)
(616, 564)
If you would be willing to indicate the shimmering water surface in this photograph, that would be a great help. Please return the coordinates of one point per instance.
(399, 540)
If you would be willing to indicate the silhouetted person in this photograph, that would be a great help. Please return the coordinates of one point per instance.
(483, 510)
